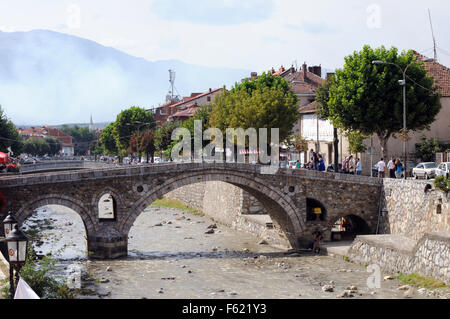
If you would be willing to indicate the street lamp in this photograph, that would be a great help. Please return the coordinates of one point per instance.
(403, 83)
(8, 223)
(17, 253)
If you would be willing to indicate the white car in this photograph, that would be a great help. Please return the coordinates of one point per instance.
(443, 169)
(426, 170)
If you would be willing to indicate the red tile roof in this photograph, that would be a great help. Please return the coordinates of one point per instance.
(48, 132)
(194, 96)
(439, 72)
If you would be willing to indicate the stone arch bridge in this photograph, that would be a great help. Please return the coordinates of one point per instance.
(284, 193)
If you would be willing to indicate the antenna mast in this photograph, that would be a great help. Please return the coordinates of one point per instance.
(432, 33)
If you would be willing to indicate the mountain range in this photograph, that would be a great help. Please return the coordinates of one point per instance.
(51, 78)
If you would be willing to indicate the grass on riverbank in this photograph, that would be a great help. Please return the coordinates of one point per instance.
(421, 281)
(171, 203)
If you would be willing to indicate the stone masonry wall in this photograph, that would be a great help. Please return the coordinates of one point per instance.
(394, 253)
(409, 211)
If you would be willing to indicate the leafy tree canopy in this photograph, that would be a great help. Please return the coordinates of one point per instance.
(367, 98)
(129, 122)
(9, 135)
(266, 102)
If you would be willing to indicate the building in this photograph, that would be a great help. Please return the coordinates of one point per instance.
(187, 107)
(48, 131)
(176, 109)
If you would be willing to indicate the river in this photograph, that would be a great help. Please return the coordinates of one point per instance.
(170, 256)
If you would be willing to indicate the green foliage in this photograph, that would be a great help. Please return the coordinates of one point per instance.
(40, 146)
(442, 183)
(37, 274)
(9, 134)
(426, 150)
(266, 102)
(54, 145)
(356, 141)
(108, 140)
(82, 138)
(164, 202)
(163, 136)
(367, 98)
(297, 143)
(421, 281)
(129, 122)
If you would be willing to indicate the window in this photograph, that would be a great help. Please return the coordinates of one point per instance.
(208, 99)
(107, 207)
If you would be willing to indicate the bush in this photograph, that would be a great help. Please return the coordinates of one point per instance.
(442, 183)
(37, 274)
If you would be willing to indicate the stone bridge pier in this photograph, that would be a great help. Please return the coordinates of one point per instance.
(289, 197)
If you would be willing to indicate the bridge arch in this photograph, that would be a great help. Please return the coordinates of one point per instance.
(29, 207)
(279, 205)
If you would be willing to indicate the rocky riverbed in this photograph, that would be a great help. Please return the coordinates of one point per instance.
(174, 254)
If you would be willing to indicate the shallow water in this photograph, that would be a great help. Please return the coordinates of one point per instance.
(178, 260)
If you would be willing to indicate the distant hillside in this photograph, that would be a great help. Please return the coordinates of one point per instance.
(49, 77)
(96, 125)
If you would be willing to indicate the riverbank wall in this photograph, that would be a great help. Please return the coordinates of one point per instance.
(415, 231)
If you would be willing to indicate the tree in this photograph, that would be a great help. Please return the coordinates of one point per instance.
(9, 135)
(108, 140)
(367, 98)
(356, 141)
(82, 138)
(426, 150)
(54, 145)
(163, 135)
(37, 146)
(322, 98)
(129, 122)
(266, 102)
(297, 143)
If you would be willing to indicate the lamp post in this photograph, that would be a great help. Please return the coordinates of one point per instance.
(17, 253)
(8, 224)
(403, 83)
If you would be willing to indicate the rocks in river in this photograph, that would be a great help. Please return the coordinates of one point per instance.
(108, 268)
(168, 278)
(181, 218)
(232, 293)
(345, 294)
(404, 287)
(245, 250)
(189, 271)
(422, 291)
(104, 280)
(214, 248)
(212, 226)
(210, 231)
(328, 288)
(352, 288)
(169, 222)
(158, 224)
(160, 291)
(388, 278)
(409, 293)
(263, 242)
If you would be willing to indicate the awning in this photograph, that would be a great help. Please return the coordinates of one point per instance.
(4, 158)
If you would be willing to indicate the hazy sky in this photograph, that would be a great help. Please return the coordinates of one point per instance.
(248, 34)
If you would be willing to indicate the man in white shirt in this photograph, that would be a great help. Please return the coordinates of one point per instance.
(391, 167)
(381, 166)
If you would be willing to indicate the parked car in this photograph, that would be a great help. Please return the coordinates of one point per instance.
(426, 170)
(330, 168)
(443, 169)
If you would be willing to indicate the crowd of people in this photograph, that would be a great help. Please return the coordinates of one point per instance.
(394, 167)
